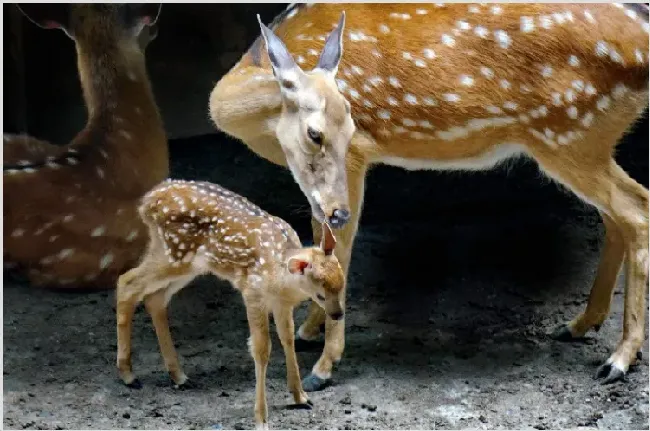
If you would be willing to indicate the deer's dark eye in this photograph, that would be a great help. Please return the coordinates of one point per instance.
(320, 297)
(315, 136)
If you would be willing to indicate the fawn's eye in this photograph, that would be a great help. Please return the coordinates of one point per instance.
(320, 297)
(315, 136)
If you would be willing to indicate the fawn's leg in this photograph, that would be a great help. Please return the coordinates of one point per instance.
(321, 373)
(283, 317)
(609, 187)
(600, 297)
(156, 305)
(260, 348)
(126, 303)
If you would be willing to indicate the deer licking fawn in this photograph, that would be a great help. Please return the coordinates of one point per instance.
(197, 228)
(459, 87)
(70, 214)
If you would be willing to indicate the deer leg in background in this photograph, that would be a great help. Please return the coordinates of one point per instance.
(321, 373)
(607, 186)
(600, 297)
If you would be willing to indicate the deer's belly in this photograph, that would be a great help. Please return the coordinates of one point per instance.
(484, 161)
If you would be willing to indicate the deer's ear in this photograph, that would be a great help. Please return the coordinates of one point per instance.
(285, 69)
(328, 242)
(332, 52)
(47, 15)
(298, 264)
(141, 14)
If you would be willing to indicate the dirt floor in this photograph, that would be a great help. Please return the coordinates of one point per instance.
(456, 282)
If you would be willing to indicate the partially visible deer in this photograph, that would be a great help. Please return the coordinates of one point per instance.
(199, 227)
(461, 87)
(70, 212)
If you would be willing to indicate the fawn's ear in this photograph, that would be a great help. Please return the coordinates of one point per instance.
(298, 263)
(286, 71)
(47, 15)
(328, 242)
(332, 52)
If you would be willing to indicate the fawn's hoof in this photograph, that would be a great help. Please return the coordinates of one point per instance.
(182, 382)
(134, 384)
(313, 383)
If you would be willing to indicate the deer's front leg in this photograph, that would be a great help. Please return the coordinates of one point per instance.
(321, 373)
(283, 317)
(260, 348)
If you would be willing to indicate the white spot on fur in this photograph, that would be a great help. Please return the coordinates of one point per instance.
(394, 82)
(502, 38)
(602, 49)
(527, 24)
(481, 31)
(603, 103)
(451, 97)
(572, 112)
(448, 40)
(466, 80)
(547, 71)
(429, 53)
(98, 231)
(384, 28)
(487, 72)
(573, 61)
(410, 99)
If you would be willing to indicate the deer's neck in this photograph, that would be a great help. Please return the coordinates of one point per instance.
(244, 104)
(115, 84)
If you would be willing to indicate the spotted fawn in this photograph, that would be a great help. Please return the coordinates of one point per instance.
(199, 227)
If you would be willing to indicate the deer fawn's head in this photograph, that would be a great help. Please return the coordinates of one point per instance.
(322, 276)
(130, 22)
(315, 126)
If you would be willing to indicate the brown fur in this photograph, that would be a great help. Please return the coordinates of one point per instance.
(198, 227)
(70, 216)
(534, 98)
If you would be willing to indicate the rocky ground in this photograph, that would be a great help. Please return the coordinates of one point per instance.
(455, 283)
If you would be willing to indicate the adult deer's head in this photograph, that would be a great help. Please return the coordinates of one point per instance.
(315, 126)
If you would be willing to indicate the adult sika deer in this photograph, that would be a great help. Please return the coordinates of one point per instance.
(197, 228)
(462, 87)
(70, 212)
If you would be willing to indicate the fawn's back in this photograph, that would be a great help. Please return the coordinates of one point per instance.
(203, 222)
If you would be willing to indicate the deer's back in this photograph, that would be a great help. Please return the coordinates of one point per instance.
(421, 71)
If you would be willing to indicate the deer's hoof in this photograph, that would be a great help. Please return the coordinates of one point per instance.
(301, 406)
(610, 373)
(562, 333)
(135, 384)
(186, 385)
(313, 383)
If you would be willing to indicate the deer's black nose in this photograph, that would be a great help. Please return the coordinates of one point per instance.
(337, 316)
(339, 218)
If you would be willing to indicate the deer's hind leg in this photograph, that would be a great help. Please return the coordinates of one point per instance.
(600, 296)
(156, 305)
(602, 182)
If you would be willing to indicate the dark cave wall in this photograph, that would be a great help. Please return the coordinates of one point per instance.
(196, 45)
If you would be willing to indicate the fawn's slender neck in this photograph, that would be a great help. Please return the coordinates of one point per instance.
(114, 81)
